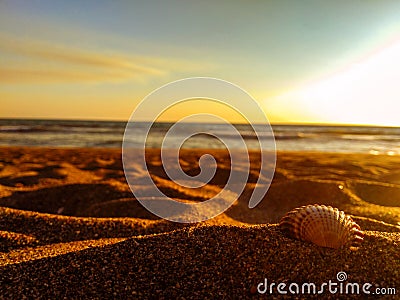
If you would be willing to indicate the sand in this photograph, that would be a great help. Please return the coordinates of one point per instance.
(71, 228)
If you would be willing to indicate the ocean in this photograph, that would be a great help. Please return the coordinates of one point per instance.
(109, 134)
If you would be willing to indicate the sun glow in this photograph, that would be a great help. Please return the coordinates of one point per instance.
(367, 92)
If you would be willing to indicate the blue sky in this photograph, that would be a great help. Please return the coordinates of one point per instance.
(98, 59)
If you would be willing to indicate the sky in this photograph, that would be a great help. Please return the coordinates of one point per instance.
(302, 61)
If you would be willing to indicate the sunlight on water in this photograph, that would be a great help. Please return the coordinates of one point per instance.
(57, 133)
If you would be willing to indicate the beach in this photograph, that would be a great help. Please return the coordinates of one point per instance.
(71, 228)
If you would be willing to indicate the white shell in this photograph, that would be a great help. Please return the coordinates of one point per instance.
(322, 225)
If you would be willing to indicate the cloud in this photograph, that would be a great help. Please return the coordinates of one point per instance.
(14, 75)
(34, 62)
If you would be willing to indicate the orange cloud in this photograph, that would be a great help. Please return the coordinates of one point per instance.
(13, 75)
(47, 63)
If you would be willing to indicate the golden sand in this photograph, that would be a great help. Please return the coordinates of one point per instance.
(70, 227)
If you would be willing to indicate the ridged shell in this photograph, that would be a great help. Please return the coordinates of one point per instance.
(322, 225)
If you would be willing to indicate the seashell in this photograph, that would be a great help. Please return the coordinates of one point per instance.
(322, 225)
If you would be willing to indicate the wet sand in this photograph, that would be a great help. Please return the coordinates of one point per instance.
(70, 227)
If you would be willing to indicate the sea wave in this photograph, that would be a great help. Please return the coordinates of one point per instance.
(64, 133)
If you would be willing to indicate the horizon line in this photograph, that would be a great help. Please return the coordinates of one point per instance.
(235, 123)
